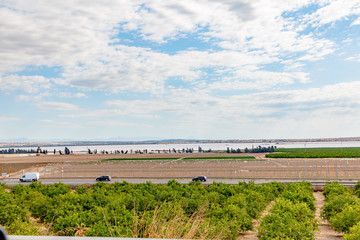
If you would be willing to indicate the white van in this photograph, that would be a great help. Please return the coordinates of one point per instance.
(28, 177)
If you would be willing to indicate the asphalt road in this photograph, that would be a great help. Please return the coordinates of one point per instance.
(164, 181)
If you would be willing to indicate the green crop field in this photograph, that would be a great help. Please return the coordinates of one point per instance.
(219, 158)
(350, 152)
(176, 211)
(142, 159)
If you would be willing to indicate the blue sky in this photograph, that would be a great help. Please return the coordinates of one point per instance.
(139, 70)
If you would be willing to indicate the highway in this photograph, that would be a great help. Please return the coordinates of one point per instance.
(164, 181)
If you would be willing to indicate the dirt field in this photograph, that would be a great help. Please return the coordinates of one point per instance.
(89, 166)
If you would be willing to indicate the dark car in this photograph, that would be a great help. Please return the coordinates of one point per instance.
(200, 178)
(104, 178)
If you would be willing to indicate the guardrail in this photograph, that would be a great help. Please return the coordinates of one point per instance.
(4, 236)
(14, 237)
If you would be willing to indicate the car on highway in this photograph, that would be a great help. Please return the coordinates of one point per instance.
(200, 178)
(30, 177)
(104, 178)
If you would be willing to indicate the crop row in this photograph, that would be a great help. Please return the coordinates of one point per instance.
(342, 209)
(174, 210)
(349, 152)
(292, 216)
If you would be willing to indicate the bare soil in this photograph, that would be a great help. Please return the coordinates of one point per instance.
(326, 232)
(252, 235)
(91, 165)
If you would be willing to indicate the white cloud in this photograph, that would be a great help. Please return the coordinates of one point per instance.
(54, 123)
(80, 42)
(30, 84)
(57, 106)
(353, 58)
(114, 123)
(334, 11)
(8, 119)
(356, 22)
(71, 95)
(234, 66)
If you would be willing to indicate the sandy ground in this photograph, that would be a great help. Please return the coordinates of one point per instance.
(252, 235)
(14, 165)
(89, 166)
(325, 233)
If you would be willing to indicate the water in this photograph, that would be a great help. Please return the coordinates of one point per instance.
(195, 146)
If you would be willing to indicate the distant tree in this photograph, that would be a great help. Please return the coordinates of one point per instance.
(67, 151)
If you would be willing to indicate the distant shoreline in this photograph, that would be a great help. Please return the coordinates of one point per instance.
(167, 141)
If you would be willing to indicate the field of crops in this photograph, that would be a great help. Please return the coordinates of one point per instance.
(315, 153)
(183, 211)
(342, 209)
(292, 216)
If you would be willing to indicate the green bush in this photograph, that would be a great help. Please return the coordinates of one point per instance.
(18, 227)
(335, 189)
(292, 216)
(343, 221)
(173, 210)
(354, 233)
(288, 220)
(357, 189)
(336, 204)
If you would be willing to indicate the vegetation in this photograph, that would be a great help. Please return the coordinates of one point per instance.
(342, 209)
(16, 151)
(174, 210)
(350, 152)
(142, 159)
(292, 216)
(218, 158)
(258, 149)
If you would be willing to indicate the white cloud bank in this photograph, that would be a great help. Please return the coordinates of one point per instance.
(82, 40)
(244, 60)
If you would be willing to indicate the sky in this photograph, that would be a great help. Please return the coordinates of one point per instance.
(154, 69)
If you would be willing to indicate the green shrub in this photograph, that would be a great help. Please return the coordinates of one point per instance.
(18, 227)
(354, 233)
(343, 221)
(357, 189)
(56, 189)
(336, 204)
(288, 220)
(335, 189)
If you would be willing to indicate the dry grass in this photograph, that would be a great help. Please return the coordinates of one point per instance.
(167, 222)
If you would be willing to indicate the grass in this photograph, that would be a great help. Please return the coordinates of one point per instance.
(212, 158)
(350, 152)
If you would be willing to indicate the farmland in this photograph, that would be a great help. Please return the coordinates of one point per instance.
(196, 211)
(191, 211)
(145, 208)
(349, 152)
(182, 166)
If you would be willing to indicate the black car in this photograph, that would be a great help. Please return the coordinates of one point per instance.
(200, 178)
(104, 178)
